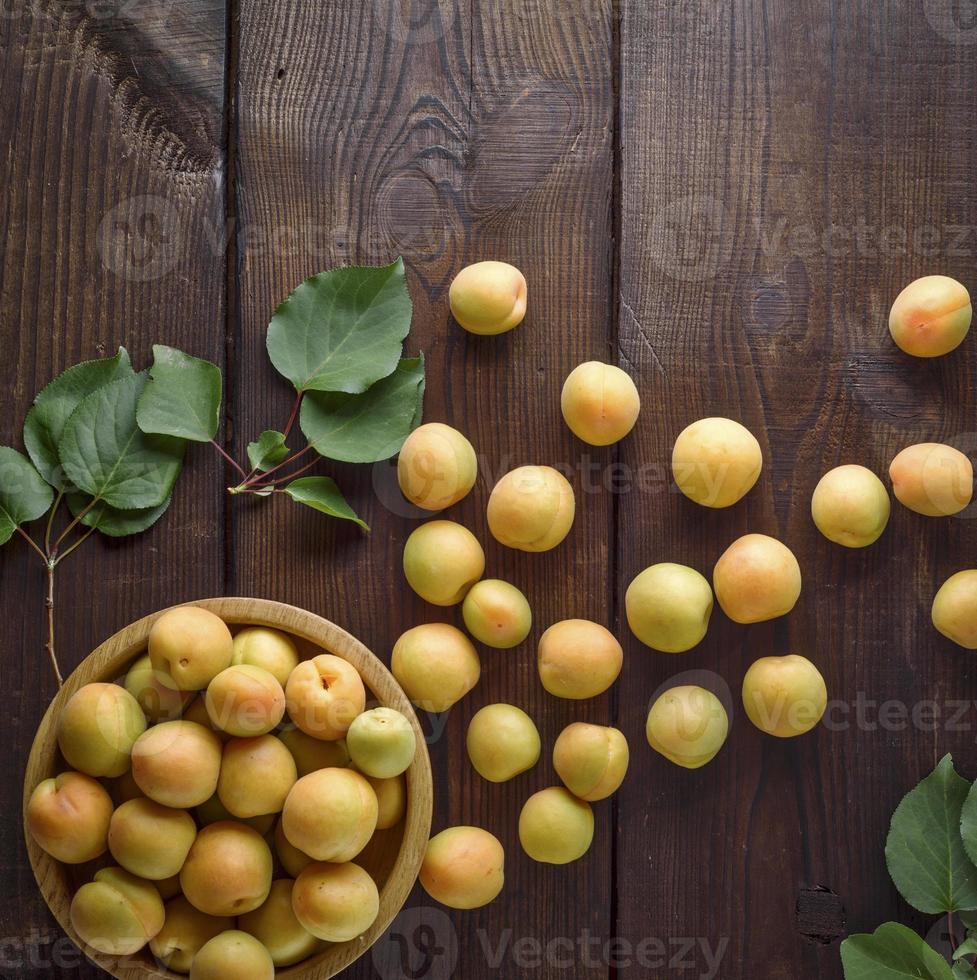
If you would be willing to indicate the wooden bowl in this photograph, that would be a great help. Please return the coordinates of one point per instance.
(393, 857)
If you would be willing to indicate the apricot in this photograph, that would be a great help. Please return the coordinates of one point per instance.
(151, 840)
(784, 696)
(600, 403)
(850, 506)
(98, 728)
(177, 763)
(168, 887)
(955, 609)
(256, 776)
(932, 479)
(463, 868)
(442, 561)
(931, 316)
(335, 902)
(555, 827)
(716, 462)
(196, 711)
(233, 954)
(668, 607)
(436, 665)
(391, 800)
(756, 578)
(688, 725)
(185, 932)
(531, 508)
(497, 614)
(324, 695)
(228, 869)
(117, 913)
(274, 925)
(272, 650)
(159, 701)
(592, 760)
(68, 817)
(488, 298)
(331, 814)
(311, 753)
(381, 743)
(436, 467)
(189, 647)
(292, 859)
(213, 811)
(502, 742)
(578, 659)
(245, 701)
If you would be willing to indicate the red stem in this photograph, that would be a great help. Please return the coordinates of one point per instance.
(228, 459)
(295, 411)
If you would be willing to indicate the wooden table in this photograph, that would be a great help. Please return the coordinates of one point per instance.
(722, 197)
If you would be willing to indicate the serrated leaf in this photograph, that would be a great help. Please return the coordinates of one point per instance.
(321, 494)
(182, 398)
(369, 427)
(24, 496)
(892, 952)
(268, 451)
(963, 970)
(924, 850)
(112, 522)
(342, 330)
(106, 455)
(53, 406)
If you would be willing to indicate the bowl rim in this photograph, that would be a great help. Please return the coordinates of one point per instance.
(107, 662)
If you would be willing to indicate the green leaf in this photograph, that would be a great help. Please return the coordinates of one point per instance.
(106, 455)
(369, 427)
(924, 850)
(321, 494)
(967, 948)
(182, 398)
(342, 330)
(892, 952)
(268, 451)
(55, 403)
(963, 970)
(112, 522)
(24, 496)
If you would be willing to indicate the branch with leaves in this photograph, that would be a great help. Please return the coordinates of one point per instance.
(931, 853)
(106, 443)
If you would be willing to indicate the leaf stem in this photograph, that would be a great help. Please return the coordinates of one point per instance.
(262, 478)
(50, 520)
(49, 603)
(31, 542)
(949, 931)
(64, 554)
(295, 411)
(53, 551)
(288, 476)
(228, 459)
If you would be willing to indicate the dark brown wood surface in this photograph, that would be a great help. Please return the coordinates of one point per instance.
(723, 198)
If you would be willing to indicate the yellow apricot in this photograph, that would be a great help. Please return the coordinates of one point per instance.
(497, 614)
(955, 609)
(555, 827)
(600, 403)
(185, 932)
(311, 753)
(68, 817)
(117, 913)
(232, 954)
(688, 725)
(158, 700)
(177, 763)
(291, 858)
(591, 760)
(151, 840)
(228, 870)
(436, 665)
(335, 902)
(488, 297)
(275, 926)
(442, 561)
(578, 659)
(463, 868)
(531, 508)
(850, 506)
(668, 607)
(716, 462)
(213, 811)
(931, 316)
(256, 776)
(784, 696)
(391, 800)
(756, 578)
(932, 479)
(436, 467)
(324, 695)
(502, 742)
(272, 650)
(189, 647)
(98, 728)
(245, 701)
(381, 743)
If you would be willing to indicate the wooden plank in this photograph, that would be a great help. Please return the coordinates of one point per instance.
(111, 128)
(786, 170)
(475, 131)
